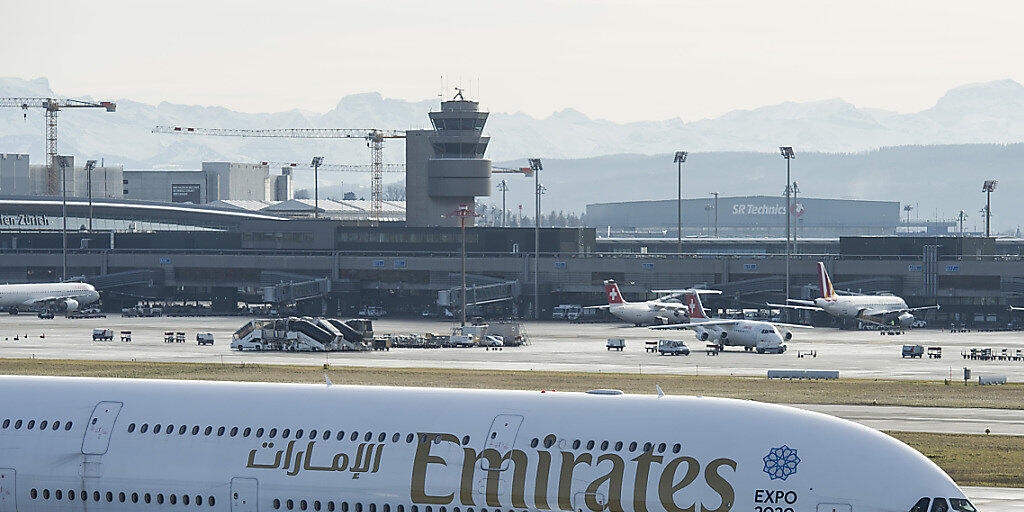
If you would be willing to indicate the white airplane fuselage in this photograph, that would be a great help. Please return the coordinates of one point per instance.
(29, 296)
(124, 445)
(745, 333)
(646, 313)
(852, 306)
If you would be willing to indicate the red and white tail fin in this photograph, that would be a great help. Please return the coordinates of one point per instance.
(611, 290)
(696, 308)
(827, 292)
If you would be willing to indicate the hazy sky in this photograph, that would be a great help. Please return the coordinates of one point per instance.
(620, 60)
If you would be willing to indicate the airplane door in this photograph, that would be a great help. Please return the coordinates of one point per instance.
(99, 428)
(579, 501)
(502, 436)
(243, 494)
(8, 491)
(835, 507)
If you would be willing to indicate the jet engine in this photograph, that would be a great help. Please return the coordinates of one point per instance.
(905, 320)
(70, 305)
(724, 336)
(788, 335)
(702, 335)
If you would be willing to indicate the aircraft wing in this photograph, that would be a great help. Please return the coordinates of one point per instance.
(675, 306)
(694, 325)
(801, 302)
(671, 294)
(602, 306)
(1015, 308)
(884, 316)
(794, 306)
(792, 326)
(44, 300)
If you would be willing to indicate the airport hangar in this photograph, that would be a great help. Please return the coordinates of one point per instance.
(174, 251)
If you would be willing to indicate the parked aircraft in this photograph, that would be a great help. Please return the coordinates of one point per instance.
(130, 444)
(756, 335)
(887, 310)
(652, 312)
(63, 297)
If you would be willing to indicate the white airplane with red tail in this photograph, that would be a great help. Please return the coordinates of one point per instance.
(659, 311)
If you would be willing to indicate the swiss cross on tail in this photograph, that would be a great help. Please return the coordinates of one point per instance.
(696, 308)
(611, 290)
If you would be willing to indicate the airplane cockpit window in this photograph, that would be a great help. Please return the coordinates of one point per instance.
(939, 505)
(921, 505)
(961, 505)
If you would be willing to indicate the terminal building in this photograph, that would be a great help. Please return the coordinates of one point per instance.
(749, 216)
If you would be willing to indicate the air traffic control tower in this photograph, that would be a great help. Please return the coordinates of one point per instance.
(445, 167)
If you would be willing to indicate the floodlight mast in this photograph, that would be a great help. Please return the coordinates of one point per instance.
(680, 157)
(89, 166)
(988, 187)
(316, 163)
(787, 153)
(536, 167)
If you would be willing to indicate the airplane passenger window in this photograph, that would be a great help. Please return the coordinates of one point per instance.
(121, 497)
(312, 434)
(273, 433)
(56, 425)
(33, 493)
(661, 448)
(181, 430)
(330, 506)
(58, 494)
(195, 429)
(212, 501)
(169, 429)
(95, 495)
(326, 435)
(344, 506)
(31, 424)
(199, 500)
(409, 438)
(7, 423)
(67, 426)
(316, 504)
(159, 498)
(184, 499)
(298, 434)
(590, 444)
(676, 447)
(234, 431)
(534, 442)
(259, 432)
(110, 496)
(17, 425)
(220, 431)
(549, 440)
(465, 440)
(144, 429)
(367, 436)
(289, 504)
(647, 447)
(604, 445)
(381, 437)
(354, 436)
(285, 433)
(173, 498)
(576, 444)
(961, 505)
(135, 497)
(277, 504)
(42, 425)
(401, 508)
(302, 504)
(71, 495)
(341, 435)
(387, 508)
(395, 437)
(46, 494)
(618, 446)
(939, 505)
(632, 446)
(131, 428)
(247, 431)
(146, 497)
(208, 430)
(156, 428)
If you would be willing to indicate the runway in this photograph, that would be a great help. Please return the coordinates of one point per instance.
(557, 346)
(995, 499)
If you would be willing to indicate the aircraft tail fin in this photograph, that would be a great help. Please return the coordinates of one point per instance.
(611, 291)
(693, 303)
(825, 283)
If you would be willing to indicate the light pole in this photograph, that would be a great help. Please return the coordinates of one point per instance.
(89, 166)
(908, 208)
(988, 187)
(796, 190)
(503, 187)
(678, 160)
(962, 216)
(462, 213)
(787, 153)
(316, 163)
(716, 213)
(536, 167)
(63, 162)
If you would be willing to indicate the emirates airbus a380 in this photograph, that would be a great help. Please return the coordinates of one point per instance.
(125, 445)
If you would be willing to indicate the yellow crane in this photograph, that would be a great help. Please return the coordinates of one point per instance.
(52, 106)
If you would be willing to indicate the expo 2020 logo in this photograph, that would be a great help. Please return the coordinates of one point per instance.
(781, 462)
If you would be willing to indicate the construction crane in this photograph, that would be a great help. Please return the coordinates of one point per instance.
(337, 167)
(52, 106)
(374, 140)
(525, 171)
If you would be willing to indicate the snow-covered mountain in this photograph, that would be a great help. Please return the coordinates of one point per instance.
(990, 112)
